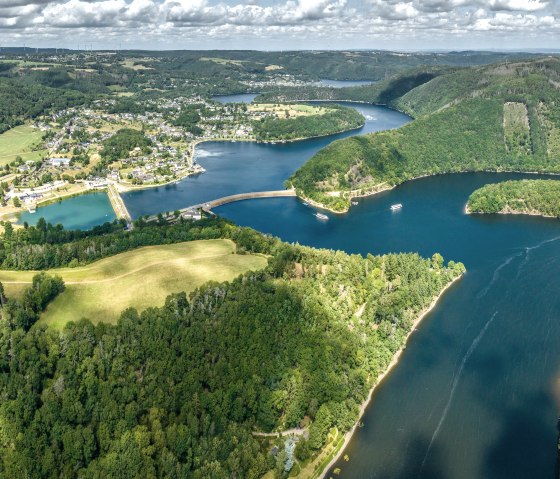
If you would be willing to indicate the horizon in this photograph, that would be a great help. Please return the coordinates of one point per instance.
(279, 25)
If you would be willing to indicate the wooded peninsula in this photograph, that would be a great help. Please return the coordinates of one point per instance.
(530, 197)
(492, 118)
(180, 390)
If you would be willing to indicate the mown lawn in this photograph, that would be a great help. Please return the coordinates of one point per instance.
(139, 279)
(20, 141)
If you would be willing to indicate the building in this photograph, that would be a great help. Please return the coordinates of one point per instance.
(60, 162)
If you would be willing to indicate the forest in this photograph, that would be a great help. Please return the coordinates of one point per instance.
(123, 142)
(459, 126)
(336, 119)
(533, 197)
(23, 100)
(177, 391)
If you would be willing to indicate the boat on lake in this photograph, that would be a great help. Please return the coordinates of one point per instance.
(354, 203)
(321, 216)
(396, 207)
(305, 203)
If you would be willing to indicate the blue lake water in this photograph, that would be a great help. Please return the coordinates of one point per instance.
(78, 212)
(476, 392)
(247, 166)
(346, 83)
(240, 98)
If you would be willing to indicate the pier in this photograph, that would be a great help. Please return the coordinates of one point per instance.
(118, 205)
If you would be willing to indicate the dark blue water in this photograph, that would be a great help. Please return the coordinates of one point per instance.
(246, 166)
(346, 83)
(78, 212)
(240, 98)
(475, 394)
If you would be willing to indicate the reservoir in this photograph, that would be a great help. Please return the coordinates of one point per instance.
(346, 83)
(240, 167)
(78, 212)
(475, 393)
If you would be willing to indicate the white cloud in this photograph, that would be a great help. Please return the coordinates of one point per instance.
(261, 24)
(521, 5)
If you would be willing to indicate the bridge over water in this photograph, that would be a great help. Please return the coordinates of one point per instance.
(209, 205)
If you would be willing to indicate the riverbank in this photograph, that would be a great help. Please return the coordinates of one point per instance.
(387, 188)
(392, 364)
(510, 212)
(11, 213)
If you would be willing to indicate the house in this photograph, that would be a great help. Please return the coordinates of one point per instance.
(192, 215)
(59, 162)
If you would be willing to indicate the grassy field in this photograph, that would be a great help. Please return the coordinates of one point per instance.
(288, 111)
(139, 278)
(20, 141)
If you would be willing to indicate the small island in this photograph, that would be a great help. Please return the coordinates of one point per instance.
(528, 197)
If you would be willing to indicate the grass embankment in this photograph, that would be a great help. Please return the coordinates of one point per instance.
(139, 278)
(495, 118)
(529, 197)
(20, 141)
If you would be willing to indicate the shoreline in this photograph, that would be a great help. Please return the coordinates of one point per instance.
(348, 436)
(366, 195)
(505, 213)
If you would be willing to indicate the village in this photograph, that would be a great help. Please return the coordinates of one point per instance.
(73, 141)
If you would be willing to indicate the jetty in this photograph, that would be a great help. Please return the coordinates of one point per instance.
(209, 205)
(118, 205)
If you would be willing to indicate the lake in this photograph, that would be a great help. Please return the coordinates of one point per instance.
(239, 167)
(78, 212)
(346, 83)
(240, 98)
(476, 392)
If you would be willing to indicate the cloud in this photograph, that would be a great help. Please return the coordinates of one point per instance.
(260, 23)
(520, 5)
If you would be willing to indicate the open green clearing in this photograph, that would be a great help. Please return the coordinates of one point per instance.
(139, 278)
(20, 141)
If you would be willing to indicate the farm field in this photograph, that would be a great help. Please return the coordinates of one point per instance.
(20, 141)
(140, 278)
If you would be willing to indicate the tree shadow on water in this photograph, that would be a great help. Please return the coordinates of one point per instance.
(526, 446)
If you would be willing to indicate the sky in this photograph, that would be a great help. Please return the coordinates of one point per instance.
(282, 24)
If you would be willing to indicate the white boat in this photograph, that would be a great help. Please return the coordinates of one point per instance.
(305, 204)
(396, 207)
(354, 203)
(321, 216)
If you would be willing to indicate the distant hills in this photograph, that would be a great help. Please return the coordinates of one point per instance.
(500, 117)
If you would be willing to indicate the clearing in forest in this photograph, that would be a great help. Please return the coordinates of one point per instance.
(517, 133)
(141, 278)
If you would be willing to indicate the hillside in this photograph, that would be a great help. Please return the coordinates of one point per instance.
(530, 197)
(143, 277)
(500, 117)
(177, 391)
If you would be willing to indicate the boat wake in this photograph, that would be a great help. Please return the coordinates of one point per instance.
(529, 249)
(200, 153)
(496, 274)
(456, 379)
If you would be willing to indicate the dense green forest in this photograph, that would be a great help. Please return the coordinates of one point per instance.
(123, 142)
(466, 120)
(68, 78)
(337, 118)
(535, 197)
(22, 100)
(176, 391)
